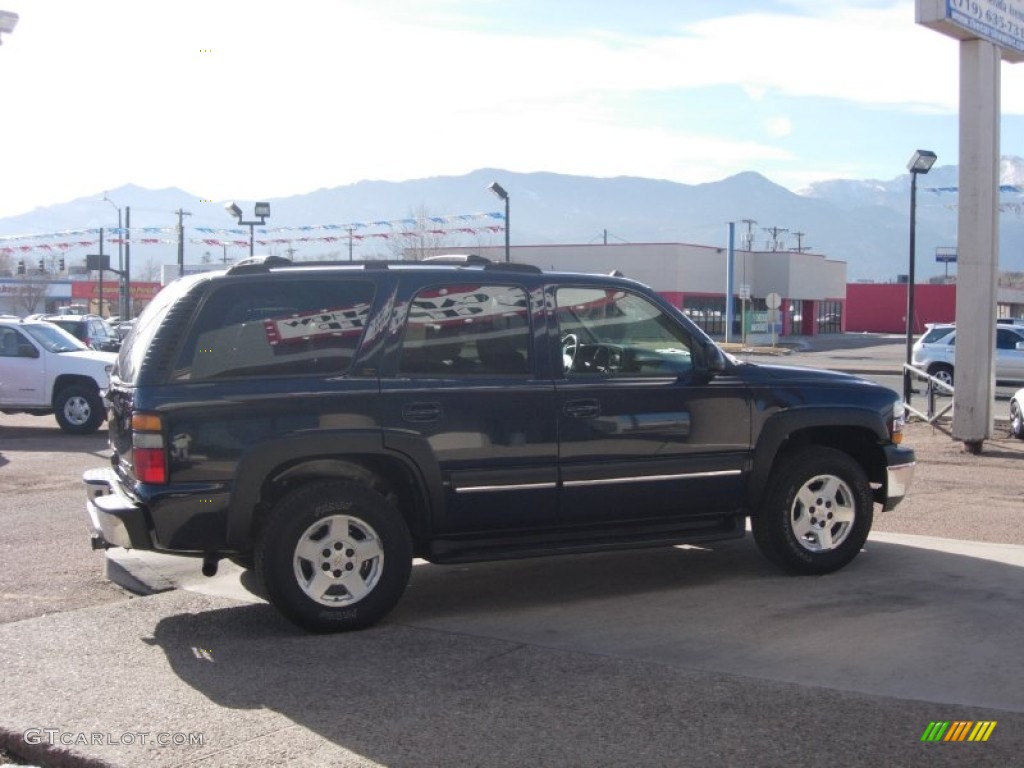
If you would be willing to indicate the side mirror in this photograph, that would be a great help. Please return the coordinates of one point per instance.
(715, 359)
(27, 350)
(1020, 346)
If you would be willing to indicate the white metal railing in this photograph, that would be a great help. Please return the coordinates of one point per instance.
(933, 389)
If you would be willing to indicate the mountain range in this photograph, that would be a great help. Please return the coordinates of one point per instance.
(862, 222)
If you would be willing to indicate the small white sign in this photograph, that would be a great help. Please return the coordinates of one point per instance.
(773, 300)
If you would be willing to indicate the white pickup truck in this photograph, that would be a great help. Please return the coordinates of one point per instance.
(44, 369)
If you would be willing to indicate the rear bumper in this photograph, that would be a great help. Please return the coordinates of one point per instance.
(899, 474)
(116, 520)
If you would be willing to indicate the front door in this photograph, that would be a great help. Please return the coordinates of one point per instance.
(642, 433)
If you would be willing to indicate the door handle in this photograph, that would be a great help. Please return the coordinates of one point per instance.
(582, 409)
(421, 412)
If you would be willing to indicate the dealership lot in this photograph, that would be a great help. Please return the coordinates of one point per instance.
(667, 656)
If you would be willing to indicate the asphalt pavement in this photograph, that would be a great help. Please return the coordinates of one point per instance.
(681, 656)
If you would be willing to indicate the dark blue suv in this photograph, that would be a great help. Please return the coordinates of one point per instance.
(325, 424)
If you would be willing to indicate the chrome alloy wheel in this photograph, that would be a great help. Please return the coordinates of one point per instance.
(823, 513)
(338, 560)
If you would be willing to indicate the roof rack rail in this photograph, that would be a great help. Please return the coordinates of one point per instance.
(466, 259)
(257, 264)
(508, 266)
(265, 263)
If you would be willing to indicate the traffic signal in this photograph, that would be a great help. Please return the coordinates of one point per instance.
(42, 267)
(61, 263)
(21, 267)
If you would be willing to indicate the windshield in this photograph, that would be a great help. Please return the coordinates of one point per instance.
(53, 338)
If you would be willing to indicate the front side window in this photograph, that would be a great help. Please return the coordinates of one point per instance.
(612, 332)
(467, 330)
(276, 328)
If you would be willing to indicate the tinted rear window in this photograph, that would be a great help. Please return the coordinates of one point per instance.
(276, 328)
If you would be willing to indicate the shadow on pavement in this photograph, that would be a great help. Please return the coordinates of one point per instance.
(483, 663)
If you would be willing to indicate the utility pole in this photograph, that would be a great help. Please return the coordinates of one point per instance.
(799, 242)
(181, 241)
(773, 244)
(749, 237)
(100, 313)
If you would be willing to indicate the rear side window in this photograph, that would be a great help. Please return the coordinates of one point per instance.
(467, 330)
(276, 328)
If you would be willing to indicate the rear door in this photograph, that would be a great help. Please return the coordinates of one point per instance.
(463, 389)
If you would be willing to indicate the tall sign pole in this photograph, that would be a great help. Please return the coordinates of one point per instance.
(988, 30)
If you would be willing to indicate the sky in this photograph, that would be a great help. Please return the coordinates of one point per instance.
(254, 100)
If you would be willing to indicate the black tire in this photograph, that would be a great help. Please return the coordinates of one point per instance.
(816, 514)
(1016, 420)
(357, 534)
(943, 373)
(79, 409)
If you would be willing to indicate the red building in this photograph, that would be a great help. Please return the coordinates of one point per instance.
(882, 307)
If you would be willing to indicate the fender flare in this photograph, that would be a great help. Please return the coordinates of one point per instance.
(260, 461)
(781, 426)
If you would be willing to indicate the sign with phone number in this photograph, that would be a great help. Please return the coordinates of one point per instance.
(1001, 22)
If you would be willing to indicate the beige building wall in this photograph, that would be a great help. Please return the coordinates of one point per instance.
(689, 269)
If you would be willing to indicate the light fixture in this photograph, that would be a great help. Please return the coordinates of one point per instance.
(262, 211)
(499, 190)
(921, 162)
(8, 21)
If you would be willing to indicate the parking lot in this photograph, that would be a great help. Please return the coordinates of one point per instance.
(674, 656)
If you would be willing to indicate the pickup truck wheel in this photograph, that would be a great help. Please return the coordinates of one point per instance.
(817, 513)
(78, 409)
(334, 556)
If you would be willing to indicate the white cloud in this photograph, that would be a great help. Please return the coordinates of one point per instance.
(254, 99)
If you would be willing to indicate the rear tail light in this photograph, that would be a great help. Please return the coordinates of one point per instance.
(149, 452)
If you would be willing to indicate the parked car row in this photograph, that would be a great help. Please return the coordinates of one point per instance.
(46, 370)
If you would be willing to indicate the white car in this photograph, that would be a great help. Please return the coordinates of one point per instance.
(44, 370)
(934, 353)
(1017, 414)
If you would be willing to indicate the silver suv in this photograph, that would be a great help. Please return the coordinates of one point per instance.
(935, 352)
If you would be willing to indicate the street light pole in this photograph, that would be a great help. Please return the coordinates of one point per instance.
(498, 190)
(262, 211)
(921, 162)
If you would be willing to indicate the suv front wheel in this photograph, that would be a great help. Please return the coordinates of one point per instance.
(334, 556)
(817, 513)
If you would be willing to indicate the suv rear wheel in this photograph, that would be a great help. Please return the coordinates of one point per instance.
(334, 556)
(817, 513)
(78, 409)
